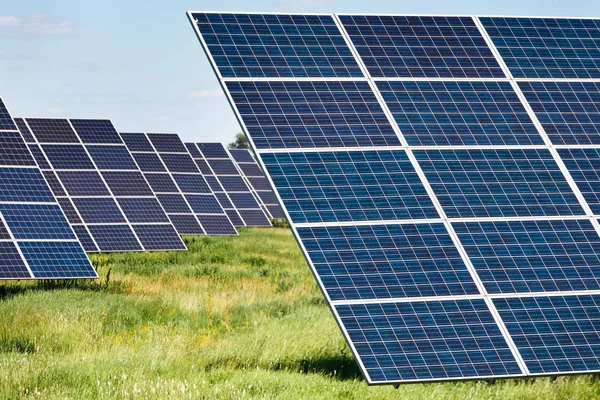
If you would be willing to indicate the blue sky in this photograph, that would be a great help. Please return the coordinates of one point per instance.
(139, 62)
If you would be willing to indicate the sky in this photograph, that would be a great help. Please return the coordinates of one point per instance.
(140, 64)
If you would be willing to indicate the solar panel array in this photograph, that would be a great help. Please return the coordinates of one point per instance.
(99, 186)
(445, 196)
(178, 184)
(258, 182)
(226, 181)
(36, 240)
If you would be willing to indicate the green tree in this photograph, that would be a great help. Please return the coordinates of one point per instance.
(241, 142)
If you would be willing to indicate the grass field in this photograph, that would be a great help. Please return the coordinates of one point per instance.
(235, 317)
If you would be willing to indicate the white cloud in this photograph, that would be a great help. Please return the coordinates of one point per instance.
(204, 94)
(34, 25)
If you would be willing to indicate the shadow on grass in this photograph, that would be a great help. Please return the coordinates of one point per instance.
(342, 367)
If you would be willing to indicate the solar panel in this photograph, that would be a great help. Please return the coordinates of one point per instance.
(173, 176)
(226, 181)
(99, 185)
(257, 182)
(448, 202)
(36, 240)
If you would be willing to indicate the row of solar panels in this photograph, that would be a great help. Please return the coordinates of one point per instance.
(69, 186)
(442, 176)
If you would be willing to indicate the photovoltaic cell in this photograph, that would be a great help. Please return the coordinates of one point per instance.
(149, 162)
(24, 129)
(96, 172)
(437, 113)
(427, 340)
(386, 261)
(24, 185)
(421, 46)
(153, 236)
(167, 143)
(498, 183)
(271, 45)
(57, 260)
(584, 167)
(556, 333)
(14, 151)
(217, 225)
(547, 47)
(96, 131)
(36, 221)
(533, 256)
(349, 186)
(568, 111)
(12, 265)
(515, 252)
(309, 114)
(84, 238)
(6, 121)
(137, 142)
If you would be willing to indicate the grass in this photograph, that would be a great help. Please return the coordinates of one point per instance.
(235, 317)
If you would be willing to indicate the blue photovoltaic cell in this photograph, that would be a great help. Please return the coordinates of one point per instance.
(179, 163)
(213, 150)
(25, 132)
(311, 114)
(533, 256)
(233, 184)
(99, 210)
(427, 340)
(272, 46)
(556, 333)
(223, 167)
(267, 197)
(459, 113)
(217, 225)
(161, 183)
(194, 152)
(96, 131)
(13, 151)
(186, 224)
(568, 111)
(6, 121)
(83, 183)
(142, 209)
(12, 265)
(167, 143)
(159, 237)
(4, 232)
(24, 185)
(191, 183)
(386, 261)
(39, 156)
(203, 166)
(84, 238)
(349, 186)
(57, 260)
(421, 46)
(259, 183)
(52, 130)
(115, 237)
(243, 200)
(67, 156)
(547, 47)
(69, 210)
(584, 167)
(213, 183)
(173, 203)
(498, 183)
(204, 204)
(54, 183)
(111, 157)
(36, 221)
(234, 217)
(137, 142)
(127, 183)
(149, 162)
(242, 155)
(250, 169)
(256, 217)
(224, 200)
(276, 211)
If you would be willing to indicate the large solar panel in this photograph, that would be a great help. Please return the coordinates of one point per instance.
(36, 240)
(179, 186)
(232, 190)
(448, 202)
(99, 186)
(258, 182)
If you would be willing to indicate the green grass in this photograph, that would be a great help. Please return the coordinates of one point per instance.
(235, 317)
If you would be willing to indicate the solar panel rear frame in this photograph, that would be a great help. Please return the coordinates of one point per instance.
(587, 215)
